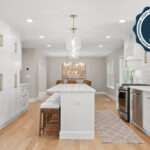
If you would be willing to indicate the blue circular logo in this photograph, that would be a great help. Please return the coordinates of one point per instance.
(142, 29)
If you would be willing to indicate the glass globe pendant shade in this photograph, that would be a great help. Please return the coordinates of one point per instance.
(73, 45)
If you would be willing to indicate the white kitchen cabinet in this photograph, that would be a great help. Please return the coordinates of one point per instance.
(10, 65)
(146, 111)
(24, 97)
(133, 64)
(132, 50)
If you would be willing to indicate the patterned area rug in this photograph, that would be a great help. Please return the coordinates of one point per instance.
(112, 129)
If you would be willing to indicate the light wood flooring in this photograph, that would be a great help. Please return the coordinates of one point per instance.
(22, 134)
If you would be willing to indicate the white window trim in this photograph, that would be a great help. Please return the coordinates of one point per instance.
(111, 87)
(111, 73)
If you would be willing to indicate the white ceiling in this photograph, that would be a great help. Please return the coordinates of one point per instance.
(96, 19)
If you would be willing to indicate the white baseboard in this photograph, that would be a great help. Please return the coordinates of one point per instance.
(111, 96)
(6, 121)
(34, 99)
(107, 94)
(77, 135)
(100, 93)
(42, 94)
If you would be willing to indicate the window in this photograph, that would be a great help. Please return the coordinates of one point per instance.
(110, 74)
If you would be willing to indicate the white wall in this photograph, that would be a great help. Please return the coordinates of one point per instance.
(115, 57)
(36, 62)
(29, 60)
(42, 73)
(95, 71)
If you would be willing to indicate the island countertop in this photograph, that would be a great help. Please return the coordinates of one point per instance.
(80, 88)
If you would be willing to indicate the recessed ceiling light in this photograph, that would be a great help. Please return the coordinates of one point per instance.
(122, 21)
(29, 20)
(42, 37)
(48, 45)
(108, 36)
(100, 45)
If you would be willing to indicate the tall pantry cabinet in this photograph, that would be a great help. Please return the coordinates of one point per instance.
(10, 66)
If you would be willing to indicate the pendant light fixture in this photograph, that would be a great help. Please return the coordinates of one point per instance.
(73, 43)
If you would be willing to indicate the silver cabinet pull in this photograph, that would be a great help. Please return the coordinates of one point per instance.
(148, 97)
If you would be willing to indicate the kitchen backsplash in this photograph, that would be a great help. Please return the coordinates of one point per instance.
(146, 75)
(139, 76)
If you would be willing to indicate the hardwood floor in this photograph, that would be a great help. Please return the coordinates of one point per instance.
(22, 134)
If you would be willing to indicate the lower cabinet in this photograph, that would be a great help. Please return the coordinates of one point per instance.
(146, 111)
(13, 101)
(24, 96)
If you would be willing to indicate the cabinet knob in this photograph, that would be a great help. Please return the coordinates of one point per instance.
(148, 98)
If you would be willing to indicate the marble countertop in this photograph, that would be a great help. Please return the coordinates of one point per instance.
(71, 88)
(143, 88)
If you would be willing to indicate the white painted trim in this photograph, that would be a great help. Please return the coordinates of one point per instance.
(100, 93)
(111, 96)
(5, 122)
(107, 94)
(34, 99)
(110, 87)
(42, 93)
(77, 135)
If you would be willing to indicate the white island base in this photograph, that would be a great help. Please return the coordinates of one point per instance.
(77, 111)
(77, 116)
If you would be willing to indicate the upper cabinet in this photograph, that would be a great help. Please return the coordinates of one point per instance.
(10, 66)
(135, 56)
(132, 50)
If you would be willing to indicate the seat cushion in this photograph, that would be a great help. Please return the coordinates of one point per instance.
(52, 99)
(56, 95)
(54, 105)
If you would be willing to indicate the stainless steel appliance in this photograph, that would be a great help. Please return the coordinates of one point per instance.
(138, 107)
(124, 101)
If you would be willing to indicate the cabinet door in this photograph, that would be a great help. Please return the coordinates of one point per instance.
(138, 51)
(2, 113)
(146, 112)
(16, 100)
(134, 51)
(147, 58)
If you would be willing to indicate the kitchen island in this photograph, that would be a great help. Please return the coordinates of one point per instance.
(77, 110)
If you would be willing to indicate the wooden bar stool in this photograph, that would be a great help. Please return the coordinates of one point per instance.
(72, 81)
(60, 82)
(87, 82)
(54, 97)
(48, 110)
